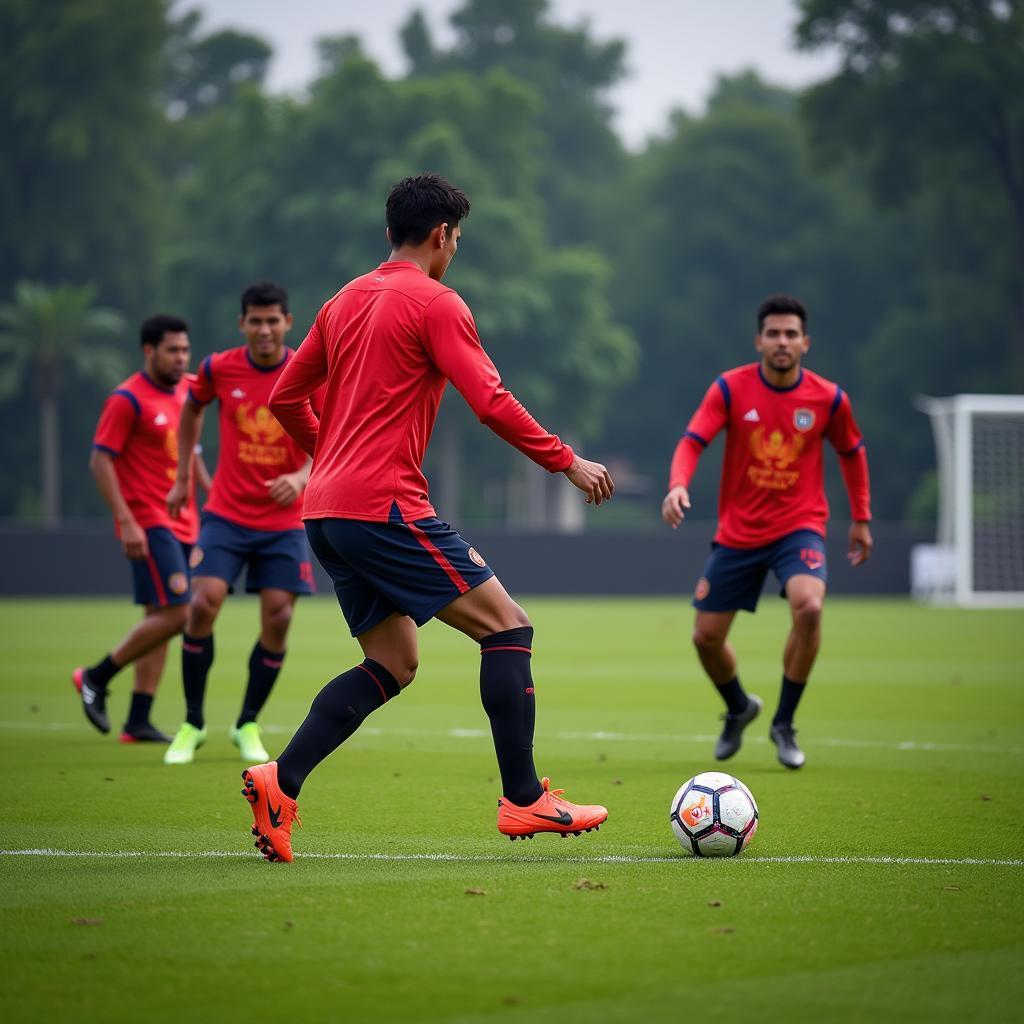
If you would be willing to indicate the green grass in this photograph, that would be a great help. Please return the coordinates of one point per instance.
(914, 731)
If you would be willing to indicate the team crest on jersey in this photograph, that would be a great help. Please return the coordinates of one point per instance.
(177, 583)
(702, 589)
(196, 558)
(803, 420)
(476, 558)
(258, 423)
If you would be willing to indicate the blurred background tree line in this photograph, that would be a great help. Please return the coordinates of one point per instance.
(148, 169)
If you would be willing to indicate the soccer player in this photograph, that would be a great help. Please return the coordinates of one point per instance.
(134, 458)
(771, 510)
(386, 345)
(253, 517)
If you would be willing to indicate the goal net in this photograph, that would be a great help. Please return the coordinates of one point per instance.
(979, 442)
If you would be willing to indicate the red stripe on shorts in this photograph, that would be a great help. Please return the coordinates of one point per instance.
(438, 556)
(487, 650)
(161, 594)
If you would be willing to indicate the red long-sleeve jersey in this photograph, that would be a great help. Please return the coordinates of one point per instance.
(773, 475)
(386, 345)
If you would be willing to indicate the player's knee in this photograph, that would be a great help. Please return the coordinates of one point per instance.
(202, 612)
(174, 617)
(520, 620)
(706, 639)
(407, 673)
(807, 614)
(277, 619)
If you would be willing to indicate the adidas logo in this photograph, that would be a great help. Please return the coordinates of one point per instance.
(751, 416)
(238, 393)
(160, 419)
(88, 694)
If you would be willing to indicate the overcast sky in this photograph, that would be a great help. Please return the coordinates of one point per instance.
(676, 48)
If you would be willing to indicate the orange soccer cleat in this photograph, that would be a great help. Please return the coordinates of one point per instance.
(272, 810)
(548, 813)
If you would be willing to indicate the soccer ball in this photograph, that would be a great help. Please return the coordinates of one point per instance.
(713, 815)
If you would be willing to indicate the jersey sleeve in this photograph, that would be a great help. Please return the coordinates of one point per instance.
(710, 417)
(844, 435)
(299, 382)
(117, 420)
(201, 388)
(451, 340)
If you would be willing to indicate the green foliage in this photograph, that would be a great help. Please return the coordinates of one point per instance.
(78, 186)
(51, 338)
(146, 157)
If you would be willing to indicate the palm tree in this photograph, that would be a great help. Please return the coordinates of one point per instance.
(45, 334)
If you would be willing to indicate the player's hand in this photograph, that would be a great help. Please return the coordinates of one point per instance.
(860, 543)
(592, 479)
(673, 508)
(285, 489)
(133, 540)
(177, 498)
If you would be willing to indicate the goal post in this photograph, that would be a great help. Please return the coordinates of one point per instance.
(979, 444)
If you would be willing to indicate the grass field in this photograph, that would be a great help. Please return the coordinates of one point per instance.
(886, 879)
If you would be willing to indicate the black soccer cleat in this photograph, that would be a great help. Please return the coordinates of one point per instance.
(147, 733)
(732, 732)
(783, 736)
(94, 700)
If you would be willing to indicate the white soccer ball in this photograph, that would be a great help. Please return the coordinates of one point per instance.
(713, 815)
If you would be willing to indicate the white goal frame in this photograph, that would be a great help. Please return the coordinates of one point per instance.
(952, 422)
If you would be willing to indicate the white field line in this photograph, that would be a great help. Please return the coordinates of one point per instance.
(597, 736)
(47, 852)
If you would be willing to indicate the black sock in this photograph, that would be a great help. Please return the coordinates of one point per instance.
(264, 665)
(789, 697)
(734, 695)
(138, 712)
(102, 672)
(196, 659)
(506, 690)
(336, 712)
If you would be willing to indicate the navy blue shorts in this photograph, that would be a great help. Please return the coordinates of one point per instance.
(733, 577)
(275, 559)
(162, 577)
(378, 569)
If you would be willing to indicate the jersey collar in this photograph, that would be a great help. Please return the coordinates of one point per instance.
(767, 384)
(153, 384)
(267, 369)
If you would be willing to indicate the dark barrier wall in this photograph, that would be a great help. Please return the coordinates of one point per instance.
(86, 559)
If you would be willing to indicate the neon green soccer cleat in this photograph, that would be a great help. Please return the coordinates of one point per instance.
(247, 739)
(187, 740)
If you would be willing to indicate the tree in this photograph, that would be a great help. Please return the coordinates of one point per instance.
(46, 335)
(930, 99)
(570, 72)
(79, 183)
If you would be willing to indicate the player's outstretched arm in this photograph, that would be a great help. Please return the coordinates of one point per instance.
(861, 543)
(592, 479)
(133, 537)
(674, 506)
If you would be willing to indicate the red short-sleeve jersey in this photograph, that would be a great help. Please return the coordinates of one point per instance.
(387, 344)
(139, 428)
(254, 447)
(773, 474)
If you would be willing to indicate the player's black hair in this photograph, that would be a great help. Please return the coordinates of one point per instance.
(781, 304)
(154, 328)
(417, 205)
(264, 293)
